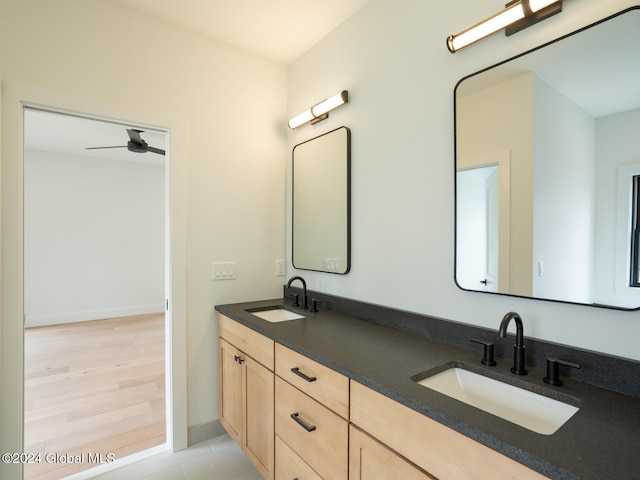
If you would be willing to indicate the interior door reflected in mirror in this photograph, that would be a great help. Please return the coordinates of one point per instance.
(322, 203)
(546, 156)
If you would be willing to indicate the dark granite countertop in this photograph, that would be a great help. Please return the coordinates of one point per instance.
(602, 440)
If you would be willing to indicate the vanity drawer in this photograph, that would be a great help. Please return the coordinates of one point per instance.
(323, 384)
(318, 436)
(257, 346)
(437, 449)
(289, 465)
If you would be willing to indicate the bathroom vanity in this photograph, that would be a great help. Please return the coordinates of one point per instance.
(344, 402)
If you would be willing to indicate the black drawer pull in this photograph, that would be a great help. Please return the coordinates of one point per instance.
(308, 428)
(238, 359)
(297, 371)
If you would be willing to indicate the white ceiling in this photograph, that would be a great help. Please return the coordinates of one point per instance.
(280, 30)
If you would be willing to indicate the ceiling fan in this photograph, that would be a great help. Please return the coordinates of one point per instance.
(135, 144)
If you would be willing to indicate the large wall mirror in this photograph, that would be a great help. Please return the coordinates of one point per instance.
(548, 170)
(322, 202)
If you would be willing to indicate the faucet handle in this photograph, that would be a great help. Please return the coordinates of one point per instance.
(488, 352)
(296, 297)
(314, 304)
(553, 370)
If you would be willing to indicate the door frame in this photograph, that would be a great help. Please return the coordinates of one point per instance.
(15, 97)
(501, 158)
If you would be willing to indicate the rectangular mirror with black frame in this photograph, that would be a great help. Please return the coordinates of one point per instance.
(321, 209)
(547, 151)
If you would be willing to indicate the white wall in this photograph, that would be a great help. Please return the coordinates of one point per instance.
(94, 238)
(228, 108)
(392, 58)
(564, 186)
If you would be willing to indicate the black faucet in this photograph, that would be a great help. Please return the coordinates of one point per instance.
(518, 348)
(305, 298)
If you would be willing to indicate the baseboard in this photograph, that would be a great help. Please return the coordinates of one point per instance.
(73, 317)
(206, 431)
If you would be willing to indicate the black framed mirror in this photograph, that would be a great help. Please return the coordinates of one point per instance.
(321, 209)
(547, 147)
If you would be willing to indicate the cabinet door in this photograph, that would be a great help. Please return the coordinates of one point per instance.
(370, 460)
(258, 404)
(231, 390)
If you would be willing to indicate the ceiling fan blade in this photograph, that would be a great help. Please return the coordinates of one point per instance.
(156, 150)
(136, 144)
(135, 137)
(100, 148)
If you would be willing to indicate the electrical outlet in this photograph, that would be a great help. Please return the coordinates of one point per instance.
(279, 268)
(223, 271)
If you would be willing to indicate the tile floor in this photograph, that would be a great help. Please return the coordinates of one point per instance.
(215, 459)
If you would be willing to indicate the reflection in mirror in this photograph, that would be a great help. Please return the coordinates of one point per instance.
(321, 202)
(546, 155)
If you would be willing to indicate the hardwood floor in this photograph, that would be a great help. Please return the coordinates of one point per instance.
(91, 388)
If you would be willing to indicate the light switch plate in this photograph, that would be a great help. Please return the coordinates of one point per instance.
(279, 268)
(331, 264)
(223, 271)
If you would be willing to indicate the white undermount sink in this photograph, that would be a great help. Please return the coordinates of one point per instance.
(275, 314)
(528, 409)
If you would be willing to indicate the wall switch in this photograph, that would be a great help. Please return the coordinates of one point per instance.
(223, 271)
(331, 264)
(279, 268)
(540, 268)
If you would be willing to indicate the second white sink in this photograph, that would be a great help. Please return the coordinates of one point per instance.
(277, 314)
(528, 409)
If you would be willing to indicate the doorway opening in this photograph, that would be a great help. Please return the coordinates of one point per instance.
(95, 256)
(477, 227)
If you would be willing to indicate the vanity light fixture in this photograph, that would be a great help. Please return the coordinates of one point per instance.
(320, 111)
(517, 15)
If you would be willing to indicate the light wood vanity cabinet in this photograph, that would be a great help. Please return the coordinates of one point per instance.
(311, 416)
(437, 449)
(289, 465)
(370, 459)
(327, 386)
(296, 423)
(247, 392)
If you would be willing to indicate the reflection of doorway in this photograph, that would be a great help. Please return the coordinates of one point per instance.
(94, 247)
(477, 224)
(483, 221)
